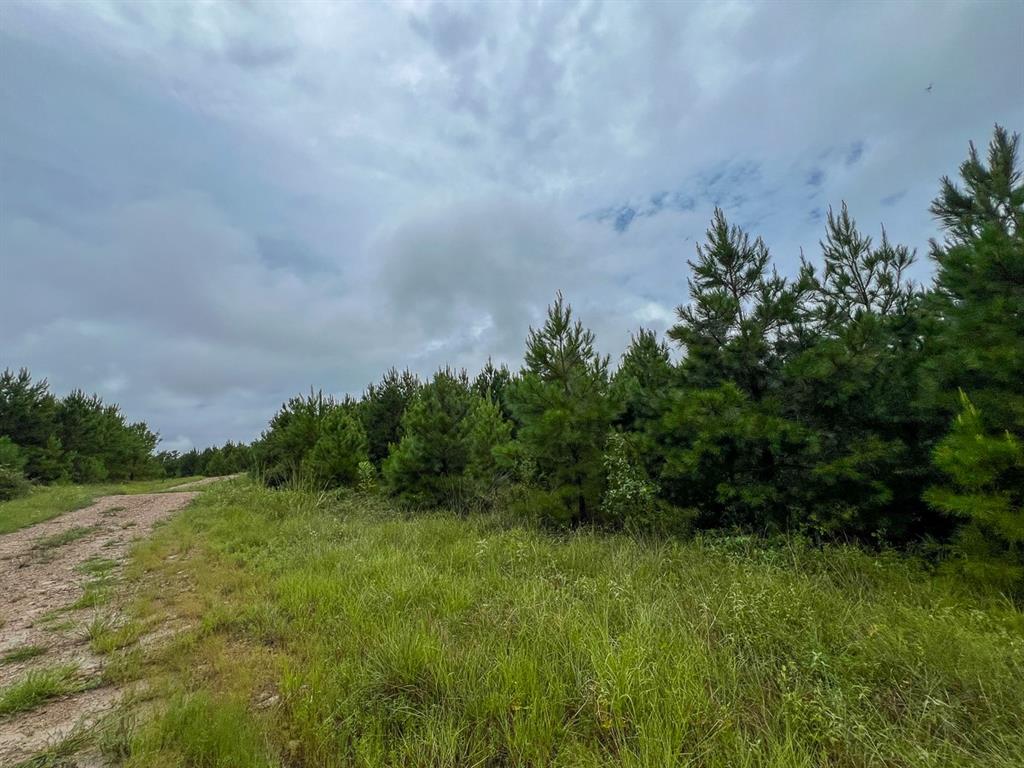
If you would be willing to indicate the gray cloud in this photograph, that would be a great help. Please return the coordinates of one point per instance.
(206, 208)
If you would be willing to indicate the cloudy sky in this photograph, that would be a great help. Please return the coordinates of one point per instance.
(205, 208)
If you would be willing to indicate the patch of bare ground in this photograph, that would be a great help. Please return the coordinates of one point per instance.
(57, 579)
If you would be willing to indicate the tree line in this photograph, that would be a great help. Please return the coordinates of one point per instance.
(77, 438)
(845, 401)
(80, 439)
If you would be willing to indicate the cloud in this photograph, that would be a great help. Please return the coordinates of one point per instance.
(205, 208)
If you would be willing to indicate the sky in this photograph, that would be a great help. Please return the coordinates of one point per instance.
(208, 207)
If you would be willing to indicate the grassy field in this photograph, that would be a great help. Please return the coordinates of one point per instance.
(46, 502)
(335, 632)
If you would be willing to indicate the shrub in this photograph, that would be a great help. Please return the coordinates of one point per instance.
(630, 497)
(12, 483)
(366, 477)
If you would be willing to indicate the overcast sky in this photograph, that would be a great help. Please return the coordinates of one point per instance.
(206, 208)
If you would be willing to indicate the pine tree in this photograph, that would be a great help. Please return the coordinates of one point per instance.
(987, 471)
(561, 403)
(978, 303)
(335, 457)
(493, 383)
(741, 316)
(432, 455)
(852, 383)
(382, 408)
(488, 434)
(292, 433)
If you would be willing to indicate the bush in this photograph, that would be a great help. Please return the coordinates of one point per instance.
(629, 496)
(366, 477)
(12, 483)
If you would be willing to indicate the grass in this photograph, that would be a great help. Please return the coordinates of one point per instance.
(444, 641)
(56, 755)
(39, 686)
(22, 653)
(105, 636)
(64, 537)
(46, 502)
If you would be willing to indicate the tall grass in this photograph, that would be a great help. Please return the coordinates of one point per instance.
(440, 640)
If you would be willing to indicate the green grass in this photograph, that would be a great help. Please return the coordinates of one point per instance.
(39, 686)
(22, 653)
(445, 641)
(105, 636)
(46, 502)
(64, 537)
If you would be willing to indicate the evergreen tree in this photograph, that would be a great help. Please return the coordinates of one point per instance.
(741, 318)
(488, 434)
(382, 408)
(334, 459)
(27, 413)
(639, 393)
(493, 383)
(426, 467)
(293, 431)
(987, 471)
(561, 403)
(978, 302)
(853, 385)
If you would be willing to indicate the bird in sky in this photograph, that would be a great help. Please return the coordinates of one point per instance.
(929, 88)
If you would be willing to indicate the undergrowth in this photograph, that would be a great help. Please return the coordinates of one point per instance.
(332, 631)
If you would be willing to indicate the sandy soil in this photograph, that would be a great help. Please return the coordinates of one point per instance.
(39, 584)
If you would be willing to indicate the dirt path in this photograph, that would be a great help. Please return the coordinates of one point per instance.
(54, 577)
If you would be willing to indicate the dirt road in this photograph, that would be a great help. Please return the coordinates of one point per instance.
(55, 581)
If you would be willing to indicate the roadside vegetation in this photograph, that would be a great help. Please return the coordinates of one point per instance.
(38, 686)
(842, 403)
(335, 631)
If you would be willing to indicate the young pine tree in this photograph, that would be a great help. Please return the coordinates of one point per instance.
(382, 408)
(987, 471)
(853, 385)
(433, 453)
(741, 316)
(978, 302)
(561, 403)
(488, 434)
(334, 459)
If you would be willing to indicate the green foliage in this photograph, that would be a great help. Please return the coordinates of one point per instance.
(488, 436)
(13, 484)
(215, 461)
(630, 498)
(434, 449)
(382, 408)
(493, 383)
(987, 471)
(366, 477)
(561, 405)
(741, 318)
(437, 640)
(339, 450)
(731, 458)
(294, 430)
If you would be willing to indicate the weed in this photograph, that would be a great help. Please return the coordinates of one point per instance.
(38, 686)
(105, 637)
(55, 756)
(22, 653)
(64, 537)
